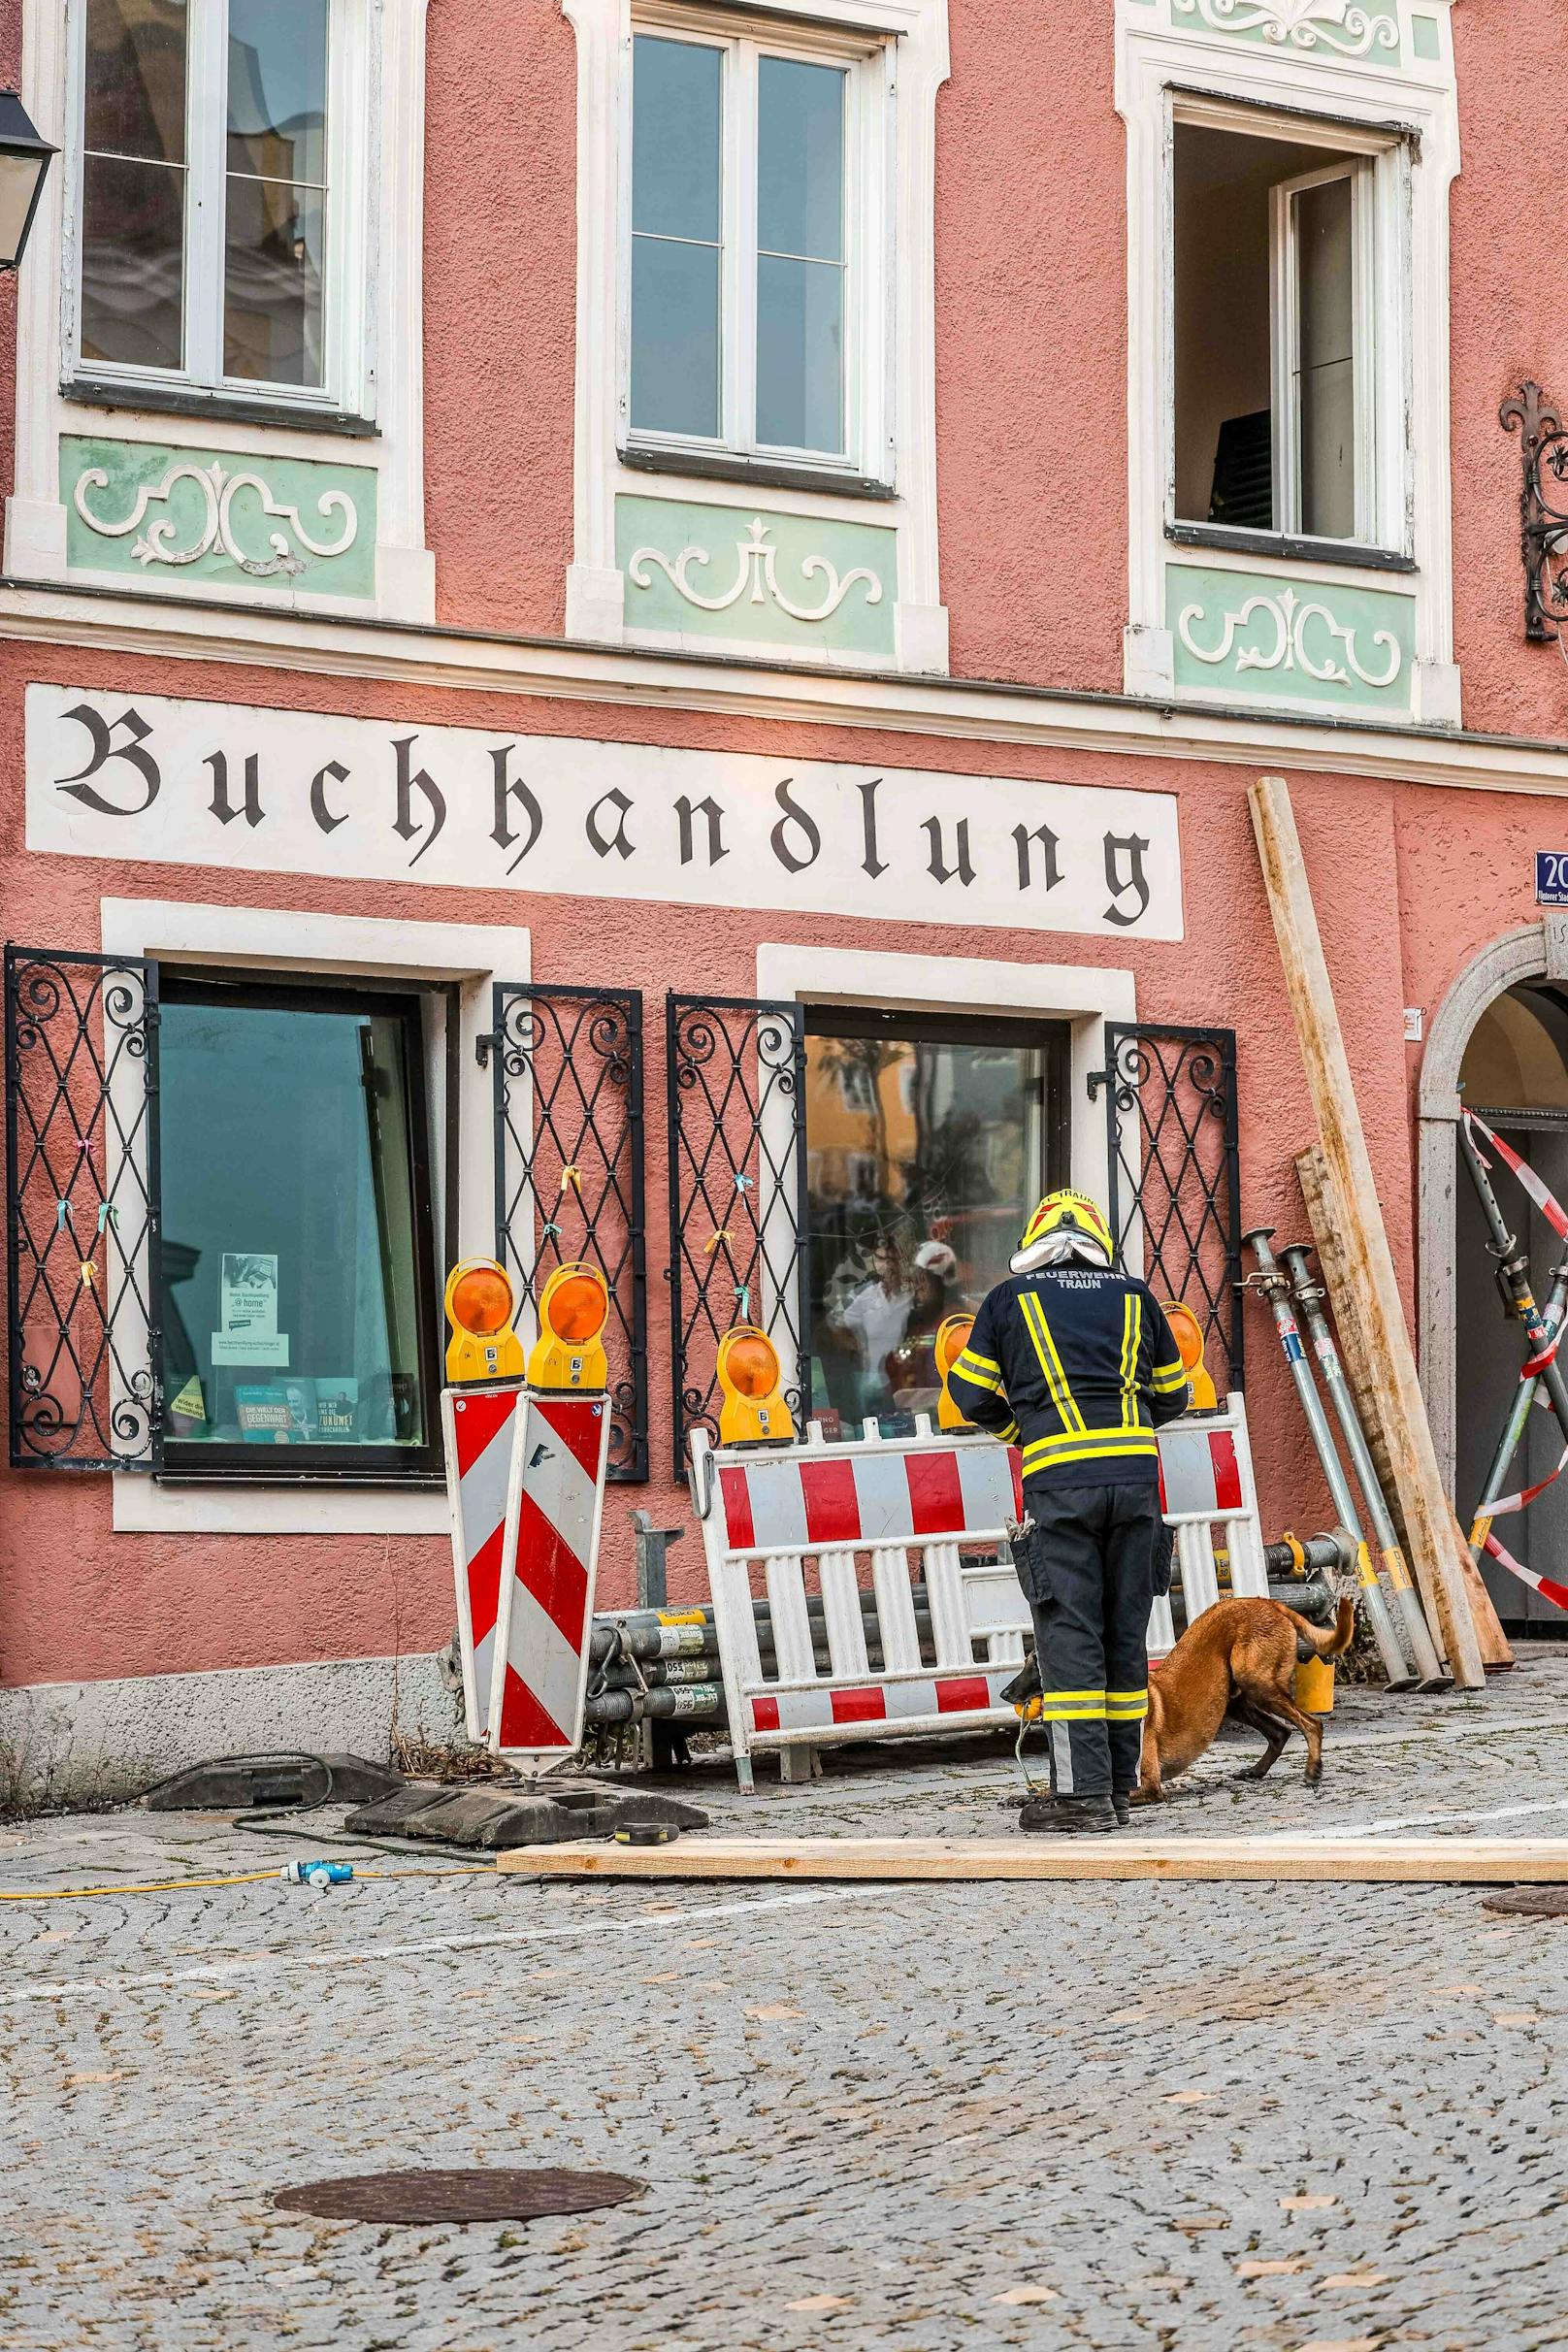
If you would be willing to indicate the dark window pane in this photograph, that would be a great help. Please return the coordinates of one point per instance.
(278, 88)
(925, 1154)
(800, 354)
(1326, 380)
(272, 287)
(674, 337)
(135, 89)
(132, 262)
(801, 159)
(675, 129)
(290, 1234)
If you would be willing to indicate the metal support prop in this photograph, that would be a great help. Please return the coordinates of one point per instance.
(1270, 1280)
(1309, 1296)
(1541, 1326)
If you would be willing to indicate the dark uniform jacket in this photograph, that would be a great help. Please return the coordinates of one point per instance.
(1077, 1365)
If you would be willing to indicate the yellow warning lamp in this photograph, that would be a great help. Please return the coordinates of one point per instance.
(753, 1412)
(952, 1338)
(1188, 1333)
(480, 1306)
(572, 1308)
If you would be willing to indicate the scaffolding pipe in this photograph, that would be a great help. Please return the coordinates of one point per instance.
(1309, 1296)
(1270, 1280)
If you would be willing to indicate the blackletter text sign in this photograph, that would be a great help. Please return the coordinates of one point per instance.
(117, 775)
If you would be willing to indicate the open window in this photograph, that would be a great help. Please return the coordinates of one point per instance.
(754, 278)
(1288, 358)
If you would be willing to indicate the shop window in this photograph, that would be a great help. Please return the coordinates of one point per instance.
(220, 241)
(753, 278)
(1285, 383)
(922, 1170)
(297, 1252)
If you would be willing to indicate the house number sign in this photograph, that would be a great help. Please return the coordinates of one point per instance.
(183, 783)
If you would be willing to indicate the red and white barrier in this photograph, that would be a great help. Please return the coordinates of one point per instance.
(1206, 1486)
(525, 1479)
(478, 1426)
(906, 1510)
(545, 1611)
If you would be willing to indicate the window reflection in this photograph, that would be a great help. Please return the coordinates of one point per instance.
(928, 1143)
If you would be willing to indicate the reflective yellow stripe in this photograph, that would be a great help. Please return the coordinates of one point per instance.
(969, 1369)
(1092, 1446)
(1169, 1376)
(985, 1363)
(1072, 1715)
(1072, 1694)
(1132, 1341)
(1125, 1698)
(1008, 1434)
(1045, 1349)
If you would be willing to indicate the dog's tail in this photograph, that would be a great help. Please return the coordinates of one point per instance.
(1325, 1641)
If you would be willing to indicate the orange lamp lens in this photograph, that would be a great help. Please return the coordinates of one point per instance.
(952, 1340)
(481, 1301)
(751, 1365)
(1186, 1331)
(578, 1307)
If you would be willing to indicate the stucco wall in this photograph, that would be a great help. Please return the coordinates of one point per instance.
(77, 1600)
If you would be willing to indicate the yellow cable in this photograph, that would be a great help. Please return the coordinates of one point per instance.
(249, 1877)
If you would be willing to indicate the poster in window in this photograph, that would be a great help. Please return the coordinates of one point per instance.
(248, 1310)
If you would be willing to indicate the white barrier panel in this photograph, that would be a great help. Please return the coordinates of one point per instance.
(879, 1500)
(1205, 1482)
(546, 1605)
(478, 1426)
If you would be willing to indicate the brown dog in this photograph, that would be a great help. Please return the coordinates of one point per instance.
(1238, 1658)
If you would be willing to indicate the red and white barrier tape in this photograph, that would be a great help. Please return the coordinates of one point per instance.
(1557, 1594)
(1509, 1503)
(1545, 1199)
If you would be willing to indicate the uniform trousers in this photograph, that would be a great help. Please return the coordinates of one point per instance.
(1088, 1575)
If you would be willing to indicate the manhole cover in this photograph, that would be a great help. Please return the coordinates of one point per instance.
(1535, 1902)
(490, 2195)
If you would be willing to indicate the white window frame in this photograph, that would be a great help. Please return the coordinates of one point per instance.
(316, 946)
(869, 66)
(348, 309)
(1370, 368)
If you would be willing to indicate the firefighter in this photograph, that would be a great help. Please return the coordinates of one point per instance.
(1076, 1362)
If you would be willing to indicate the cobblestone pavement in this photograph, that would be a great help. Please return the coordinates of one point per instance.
(916, 2117)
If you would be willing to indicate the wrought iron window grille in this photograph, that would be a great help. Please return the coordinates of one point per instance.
(83, 1239)
(1175, 1172)
(1543, 512)
(739, 1214)
(567, 1066)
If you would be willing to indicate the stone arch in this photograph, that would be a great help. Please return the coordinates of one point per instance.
(1536, 951)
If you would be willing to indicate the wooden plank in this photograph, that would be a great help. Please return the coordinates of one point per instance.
(1317, 1193)
(1434, 1557)
(1426, 1861)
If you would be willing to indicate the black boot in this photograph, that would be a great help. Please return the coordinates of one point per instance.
(1068, 1816)
(1123, 1807)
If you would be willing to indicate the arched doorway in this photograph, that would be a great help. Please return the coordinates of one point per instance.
(1515, 1074)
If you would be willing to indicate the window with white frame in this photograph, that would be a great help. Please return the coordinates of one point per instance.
(219, 235)
(1288, 356)
(754, 280)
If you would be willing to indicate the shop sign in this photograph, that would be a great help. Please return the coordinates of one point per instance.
(181, 783)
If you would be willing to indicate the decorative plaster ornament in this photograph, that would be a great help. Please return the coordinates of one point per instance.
(757, 569)
(1303, 24)
(220, 489)
(1290, 650)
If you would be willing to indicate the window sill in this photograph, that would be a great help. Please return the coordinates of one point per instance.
(227, 407)
(1279, 549)
(757, 472)
(270, 1481)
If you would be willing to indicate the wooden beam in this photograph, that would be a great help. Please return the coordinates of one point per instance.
(1426, 1861)
(1328, 1224)
(1434, 1557)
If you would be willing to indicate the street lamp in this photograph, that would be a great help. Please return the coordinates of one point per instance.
(24, 162)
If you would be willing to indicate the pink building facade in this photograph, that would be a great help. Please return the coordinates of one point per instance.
(640, 632)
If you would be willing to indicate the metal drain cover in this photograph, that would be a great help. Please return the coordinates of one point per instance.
(1535, 1902)
(492, 2194)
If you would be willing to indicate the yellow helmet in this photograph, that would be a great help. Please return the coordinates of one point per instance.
(1065, 1225)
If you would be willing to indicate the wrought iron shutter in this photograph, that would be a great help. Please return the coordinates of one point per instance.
(568, 1075)
(1170, 1107)
(738, 1221)
(82, 1256)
